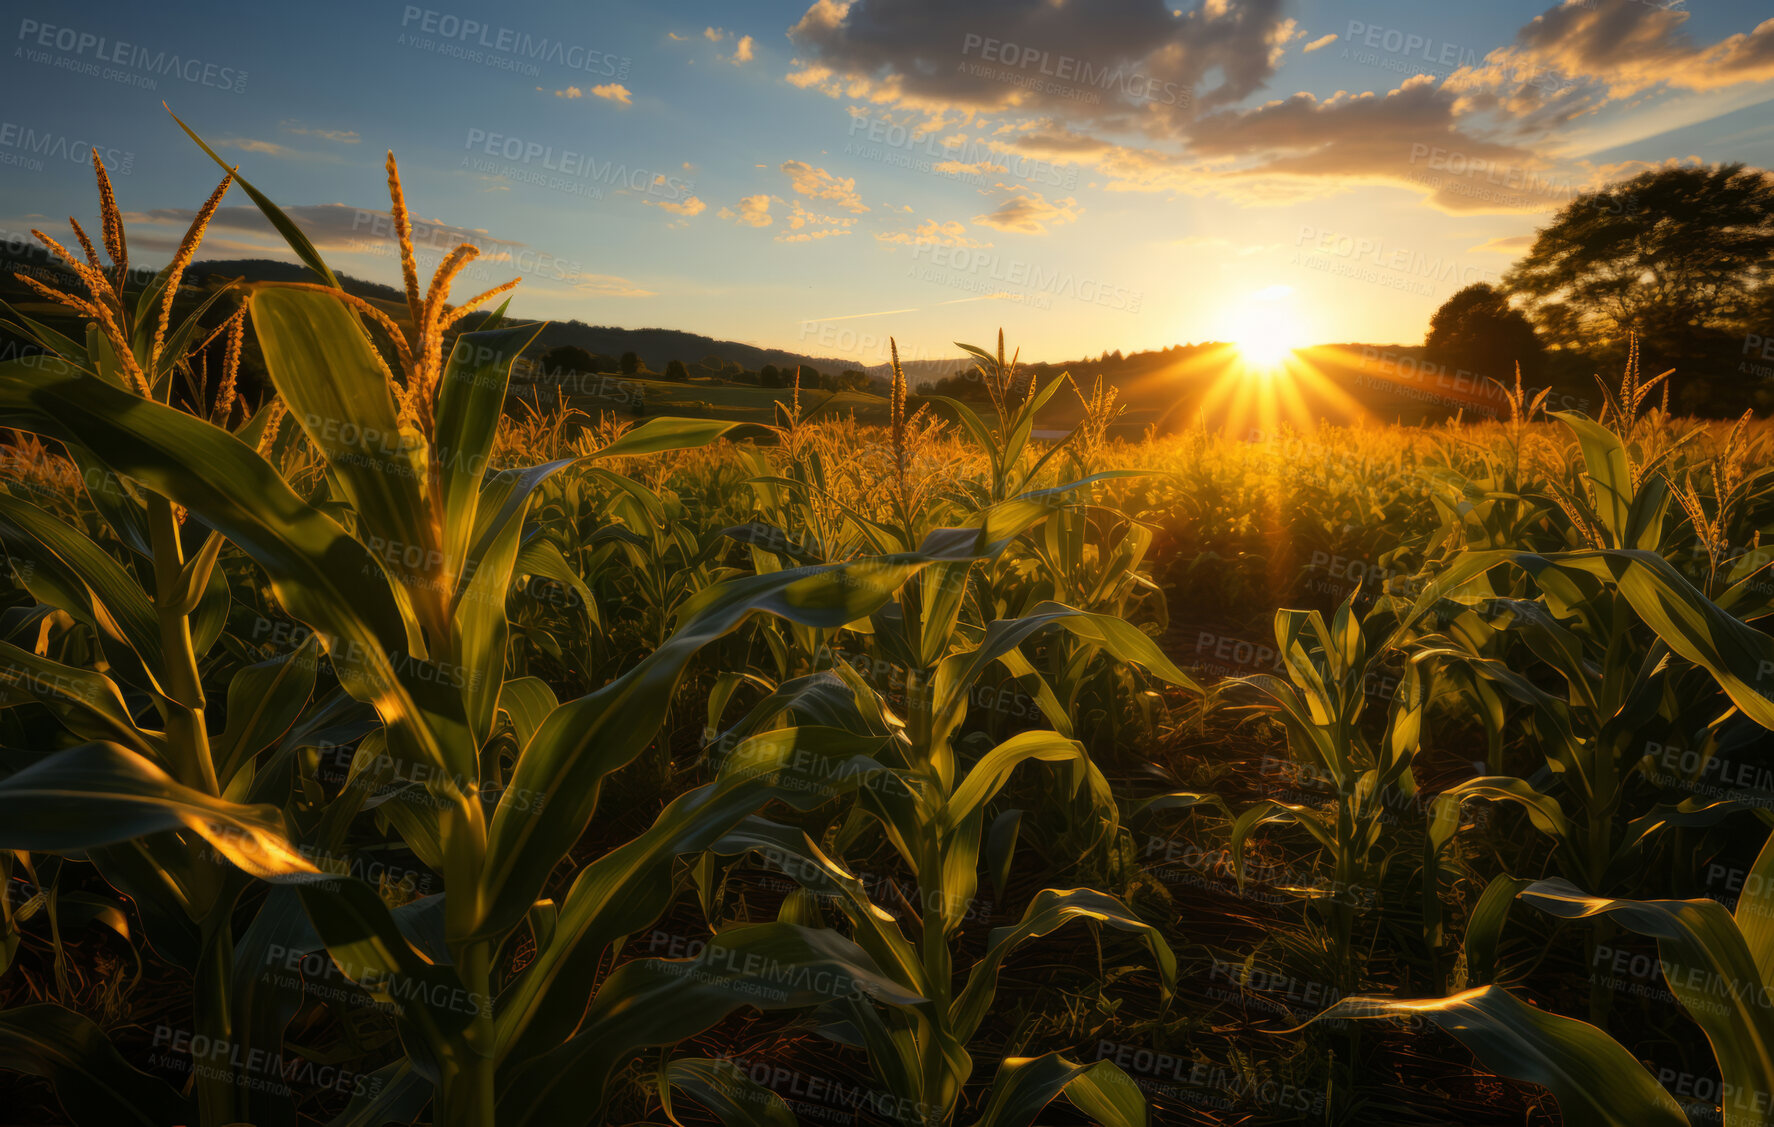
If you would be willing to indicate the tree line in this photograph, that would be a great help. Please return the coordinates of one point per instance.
(569, 360)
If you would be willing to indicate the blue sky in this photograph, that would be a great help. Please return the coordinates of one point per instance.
(816, 177)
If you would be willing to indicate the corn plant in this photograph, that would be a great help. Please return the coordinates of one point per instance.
(931, 808)
(930, 805)
(1582, 623)
(1332, 671)
(141, 611)
(1718, 963)
(407, 599)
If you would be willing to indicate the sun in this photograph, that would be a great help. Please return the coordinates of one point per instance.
(1266, 332)
(1265, 372)
(1265, 352)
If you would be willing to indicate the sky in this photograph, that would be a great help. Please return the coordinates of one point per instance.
(1087, 176)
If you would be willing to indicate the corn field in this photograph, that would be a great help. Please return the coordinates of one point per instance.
(373, 755)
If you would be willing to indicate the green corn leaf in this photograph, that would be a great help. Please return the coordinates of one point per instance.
(88, 704)
(582, 741)
(338, 391)
(993, 770)
(394, 1093)
(1755, 911)
(1597, 1082)
(651, 1002)
(1049, 910)
(320, 573)
(1001, 848)
(1543, 810)
(624, 890)
(1710, 970)
(1025, 1086)
(95, 1085)
(470, 403)
(81, 577)
(370, 948)
(264, 700)
(1484, 929)
(723, 1087)
(102, 793)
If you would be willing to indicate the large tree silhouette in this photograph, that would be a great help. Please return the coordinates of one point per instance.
(1678, 256)
(1477, 331)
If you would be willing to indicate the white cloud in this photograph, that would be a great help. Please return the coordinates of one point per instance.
(342, 136)
(1026, 211)
(753, 211)
(820, 184)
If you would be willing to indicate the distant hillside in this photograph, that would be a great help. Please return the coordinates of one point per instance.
(658, 347)
(655, 347)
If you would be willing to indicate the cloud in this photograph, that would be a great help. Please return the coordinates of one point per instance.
(685, 210)
(248, 145)
(713, 34)
(608, 285)
(808, 236)
(1093, 61)
(805, 224)
(332, 227)
(1504, 244)
(1321, 41)
(1410, 137)
(688, 206)
(742, 51)
(342, 136)
(934, 234)
(820, 184)
(612, 91)
(1026, 211)
(1572, 59)
(754, 211)
(976, 168)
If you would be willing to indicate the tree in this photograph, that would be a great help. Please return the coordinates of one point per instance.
(770, 376)
(630, 363)
(1477, 331)
(1676, 255)
(567, 359)
(675, 370)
